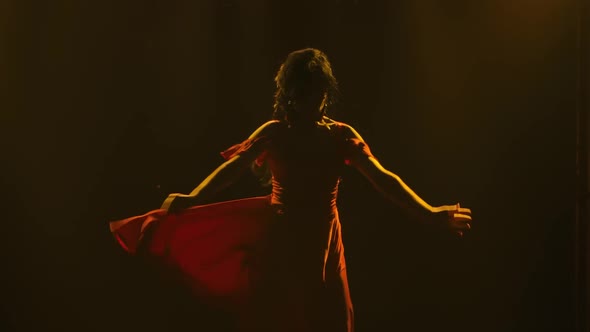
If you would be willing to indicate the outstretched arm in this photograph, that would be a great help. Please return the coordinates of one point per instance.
(397, 191)
(223, 176)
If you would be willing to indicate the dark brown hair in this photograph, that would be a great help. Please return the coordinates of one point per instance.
(301, 72)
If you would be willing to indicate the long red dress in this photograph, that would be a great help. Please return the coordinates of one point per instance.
(276, 262)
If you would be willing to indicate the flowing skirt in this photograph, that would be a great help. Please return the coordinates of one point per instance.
(239, 257)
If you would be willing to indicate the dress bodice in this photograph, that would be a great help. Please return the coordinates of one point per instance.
(306, 168)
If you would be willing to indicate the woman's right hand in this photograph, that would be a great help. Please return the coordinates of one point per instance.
(455, 218)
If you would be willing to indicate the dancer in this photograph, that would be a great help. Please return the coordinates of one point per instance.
(277, 263)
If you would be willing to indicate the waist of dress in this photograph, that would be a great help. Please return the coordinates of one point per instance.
(296, 197)
(310, 204)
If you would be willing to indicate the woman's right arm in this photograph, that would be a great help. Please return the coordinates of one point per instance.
(397, 191)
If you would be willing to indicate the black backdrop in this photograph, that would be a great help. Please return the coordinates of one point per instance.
(108, 106)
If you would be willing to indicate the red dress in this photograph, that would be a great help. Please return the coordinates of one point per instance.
(276, 262)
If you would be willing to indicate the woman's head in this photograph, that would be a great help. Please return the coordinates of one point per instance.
(305, 86)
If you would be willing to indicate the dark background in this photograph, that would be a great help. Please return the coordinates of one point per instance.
(108, 106)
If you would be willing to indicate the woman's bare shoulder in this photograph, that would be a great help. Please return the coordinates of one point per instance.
(346, 130)
(268, 128)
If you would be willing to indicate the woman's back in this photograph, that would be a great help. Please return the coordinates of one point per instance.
(306, 164)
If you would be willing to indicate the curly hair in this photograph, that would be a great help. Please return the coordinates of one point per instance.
(303, 71)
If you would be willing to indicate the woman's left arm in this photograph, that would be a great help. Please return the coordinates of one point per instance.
(222, 177)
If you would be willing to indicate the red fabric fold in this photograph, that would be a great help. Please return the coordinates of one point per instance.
(211, 246)
(248, 145)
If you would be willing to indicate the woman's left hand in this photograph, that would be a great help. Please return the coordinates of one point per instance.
(177, 202)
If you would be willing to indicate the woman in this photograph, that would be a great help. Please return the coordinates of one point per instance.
(277, 262)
